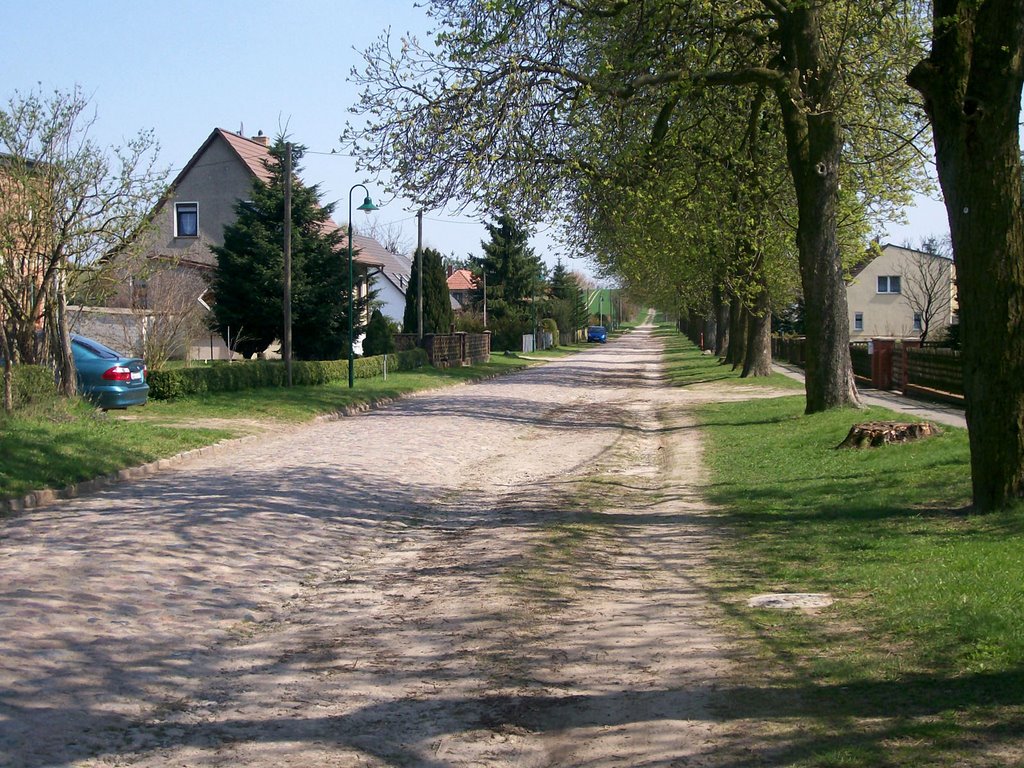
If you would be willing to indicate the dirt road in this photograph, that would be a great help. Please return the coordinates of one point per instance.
(507, 573)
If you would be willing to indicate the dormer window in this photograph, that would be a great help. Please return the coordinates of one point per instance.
(186, 219)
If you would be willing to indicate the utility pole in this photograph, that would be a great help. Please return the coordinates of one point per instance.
(535, 334)
(288, 262)
(419, 277)
(576, 314)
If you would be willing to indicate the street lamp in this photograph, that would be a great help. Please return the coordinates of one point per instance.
(366, 206)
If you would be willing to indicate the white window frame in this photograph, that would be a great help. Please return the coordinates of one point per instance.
(884, 284)
(918, 321)
(858, 321)
(177, 217)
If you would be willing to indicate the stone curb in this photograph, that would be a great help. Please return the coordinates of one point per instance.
(46, 496)
(36, 499)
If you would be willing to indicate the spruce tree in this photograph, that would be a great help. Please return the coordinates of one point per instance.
(510, 266)
(511, 269)
(249, 277)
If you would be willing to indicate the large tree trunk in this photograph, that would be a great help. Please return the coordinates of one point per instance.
(828, 372)
(710, 331)
(711, 321)
(721, 310)
(971, 83)
(758, 358)
(814, 151)
(737, 332)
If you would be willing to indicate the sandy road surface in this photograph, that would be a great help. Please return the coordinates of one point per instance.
(500, 574)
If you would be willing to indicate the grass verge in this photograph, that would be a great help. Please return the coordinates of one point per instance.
(55, 444)
(921, 660)
(685, 365)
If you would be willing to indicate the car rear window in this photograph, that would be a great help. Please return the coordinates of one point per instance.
(95, 348)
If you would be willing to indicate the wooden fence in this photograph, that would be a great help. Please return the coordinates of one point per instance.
(935, 369)
(897, 364)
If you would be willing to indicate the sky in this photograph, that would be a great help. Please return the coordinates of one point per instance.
(185, 68)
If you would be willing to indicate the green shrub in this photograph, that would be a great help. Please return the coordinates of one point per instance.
(32, 384)
(507, 332)
(379, 336)
(549, 325)
(470, 322)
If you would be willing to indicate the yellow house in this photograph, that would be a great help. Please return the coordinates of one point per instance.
(902, 293)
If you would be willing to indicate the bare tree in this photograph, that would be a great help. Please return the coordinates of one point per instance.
(66, 202)
(391, 236)
(928, 287)
(166, 308)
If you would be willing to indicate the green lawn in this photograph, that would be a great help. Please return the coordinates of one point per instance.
(60, 443)
(921, 659)
(686, 365)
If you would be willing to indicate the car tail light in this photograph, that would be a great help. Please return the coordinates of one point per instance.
(117, 373)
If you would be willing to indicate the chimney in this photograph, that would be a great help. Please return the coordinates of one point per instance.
(259, 138)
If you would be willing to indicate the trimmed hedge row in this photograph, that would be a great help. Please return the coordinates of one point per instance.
(251, 374)
(32, 383)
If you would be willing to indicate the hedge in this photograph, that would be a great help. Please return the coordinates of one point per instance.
(251, 374)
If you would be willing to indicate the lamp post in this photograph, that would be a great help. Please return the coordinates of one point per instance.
(367, 206)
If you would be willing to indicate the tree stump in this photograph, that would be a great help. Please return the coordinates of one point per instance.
(875, 433)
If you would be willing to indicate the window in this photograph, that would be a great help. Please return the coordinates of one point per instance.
(93, 348)
(858, 321)
(917, 321)
(186, 219)
(888, 283)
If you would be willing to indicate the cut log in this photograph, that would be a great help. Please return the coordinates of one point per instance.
(876, 433)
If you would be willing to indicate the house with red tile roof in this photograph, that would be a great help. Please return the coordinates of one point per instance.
(201, 201)
(189, 220)
(462, 288)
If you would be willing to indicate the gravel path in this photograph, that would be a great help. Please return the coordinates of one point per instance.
(502, 574)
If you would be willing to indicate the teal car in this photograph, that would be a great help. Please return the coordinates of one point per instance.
(108, 378)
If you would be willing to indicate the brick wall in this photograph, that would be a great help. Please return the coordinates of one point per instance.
(449, 349)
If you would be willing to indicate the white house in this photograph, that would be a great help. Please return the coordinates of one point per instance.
(901, 293)
(389, 275)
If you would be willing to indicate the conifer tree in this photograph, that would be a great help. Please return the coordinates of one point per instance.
(248, 280)
(511, 271)
(510, 267)
(568, 302)
(379, 340)
(437, 304)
